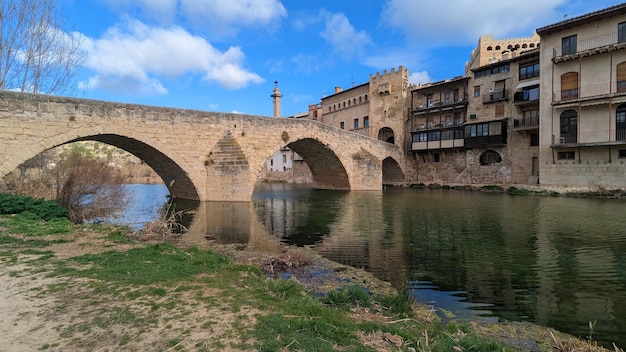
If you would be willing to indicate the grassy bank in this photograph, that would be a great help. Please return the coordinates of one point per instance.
(91, 288)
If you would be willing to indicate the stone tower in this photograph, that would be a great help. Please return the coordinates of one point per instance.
(276, 98)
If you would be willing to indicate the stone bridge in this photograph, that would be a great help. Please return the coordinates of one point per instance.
(200, 155)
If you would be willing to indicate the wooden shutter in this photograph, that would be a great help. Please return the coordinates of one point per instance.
(621, 72)
(569, 81)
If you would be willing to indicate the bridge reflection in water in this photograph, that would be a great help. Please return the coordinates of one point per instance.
(560, 262)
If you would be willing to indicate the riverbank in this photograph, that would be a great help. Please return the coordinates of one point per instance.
(524, 189)
(93, 287)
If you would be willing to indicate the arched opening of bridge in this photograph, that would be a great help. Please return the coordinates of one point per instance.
(392, 172)
(137, 161)
(175, 178)
(386, 134)
(327, 171)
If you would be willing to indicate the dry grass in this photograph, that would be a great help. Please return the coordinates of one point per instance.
(163, 227)
(578, 345)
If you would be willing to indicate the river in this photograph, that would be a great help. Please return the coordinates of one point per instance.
(558, 262)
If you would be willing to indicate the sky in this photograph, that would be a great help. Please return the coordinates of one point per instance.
(225, 55)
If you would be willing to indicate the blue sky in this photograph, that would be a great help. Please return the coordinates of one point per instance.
(224, 55)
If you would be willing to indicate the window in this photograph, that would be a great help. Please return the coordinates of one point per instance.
(529, 71)
(484, 129)
(492, 71)
(476, 91)
(622, 153)
(530, 94)
(434, 136)
(342, 125)
(499, 110)
(356, 123)
(621, 32)
(436, 157)
(534, 139)
(620, 123)
(568, 45)
(447, 97)
(566, 155)
(490, 157)
(429, 100)
(284, 159)
(366, 121)
(569, 127)
(621, 77)
(569, 86)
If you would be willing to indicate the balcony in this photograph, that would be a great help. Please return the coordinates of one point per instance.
(435, 126)
(495, 96)
(526, 123)
(590, 138)
(588, 47)
(602, 90)
(441, 105)
(526, 97)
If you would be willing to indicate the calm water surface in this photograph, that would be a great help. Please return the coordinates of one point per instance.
(559, 262)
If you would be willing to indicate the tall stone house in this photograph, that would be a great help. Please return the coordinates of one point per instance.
(583, 100)
(482, 127)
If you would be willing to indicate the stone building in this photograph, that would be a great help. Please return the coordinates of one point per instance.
(376, 109)
(438, 114)
(481, 128)
(583, 100)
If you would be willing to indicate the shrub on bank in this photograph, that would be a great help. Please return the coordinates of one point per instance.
(45, 209)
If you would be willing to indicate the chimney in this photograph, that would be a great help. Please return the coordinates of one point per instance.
(337, 89)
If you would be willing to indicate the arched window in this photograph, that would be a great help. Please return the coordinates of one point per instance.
(532, 45)
(354, 101)
(620, 123)
(497, 47)
(490, 157)
(510, 46)
(569, 86)
(524, 46)
(386, 134)
(489, 48)
(621, 77)
(569, 127)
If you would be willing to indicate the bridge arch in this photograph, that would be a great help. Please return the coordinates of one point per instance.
(327, 170)
(173, 175)
(392, 171)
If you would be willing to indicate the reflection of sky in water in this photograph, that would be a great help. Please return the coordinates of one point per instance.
(455, 303)
(145, 204)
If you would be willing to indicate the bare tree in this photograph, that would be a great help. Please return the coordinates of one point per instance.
(89, 187)
(36, 55)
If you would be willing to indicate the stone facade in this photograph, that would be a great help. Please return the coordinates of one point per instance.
(199, 155)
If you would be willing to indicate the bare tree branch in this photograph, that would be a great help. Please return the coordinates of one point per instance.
(36, 55)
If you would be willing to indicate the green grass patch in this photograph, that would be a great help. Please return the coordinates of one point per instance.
(350, 296)
(118, 237)
(30, 224)
(156, 263)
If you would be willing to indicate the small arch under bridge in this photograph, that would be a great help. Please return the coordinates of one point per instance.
(200, 155)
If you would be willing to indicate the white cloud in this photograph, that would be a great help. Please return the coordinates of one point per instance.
(134, 56)
(228, 16)
(419, 78)
(343, 37)
(461, 22)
